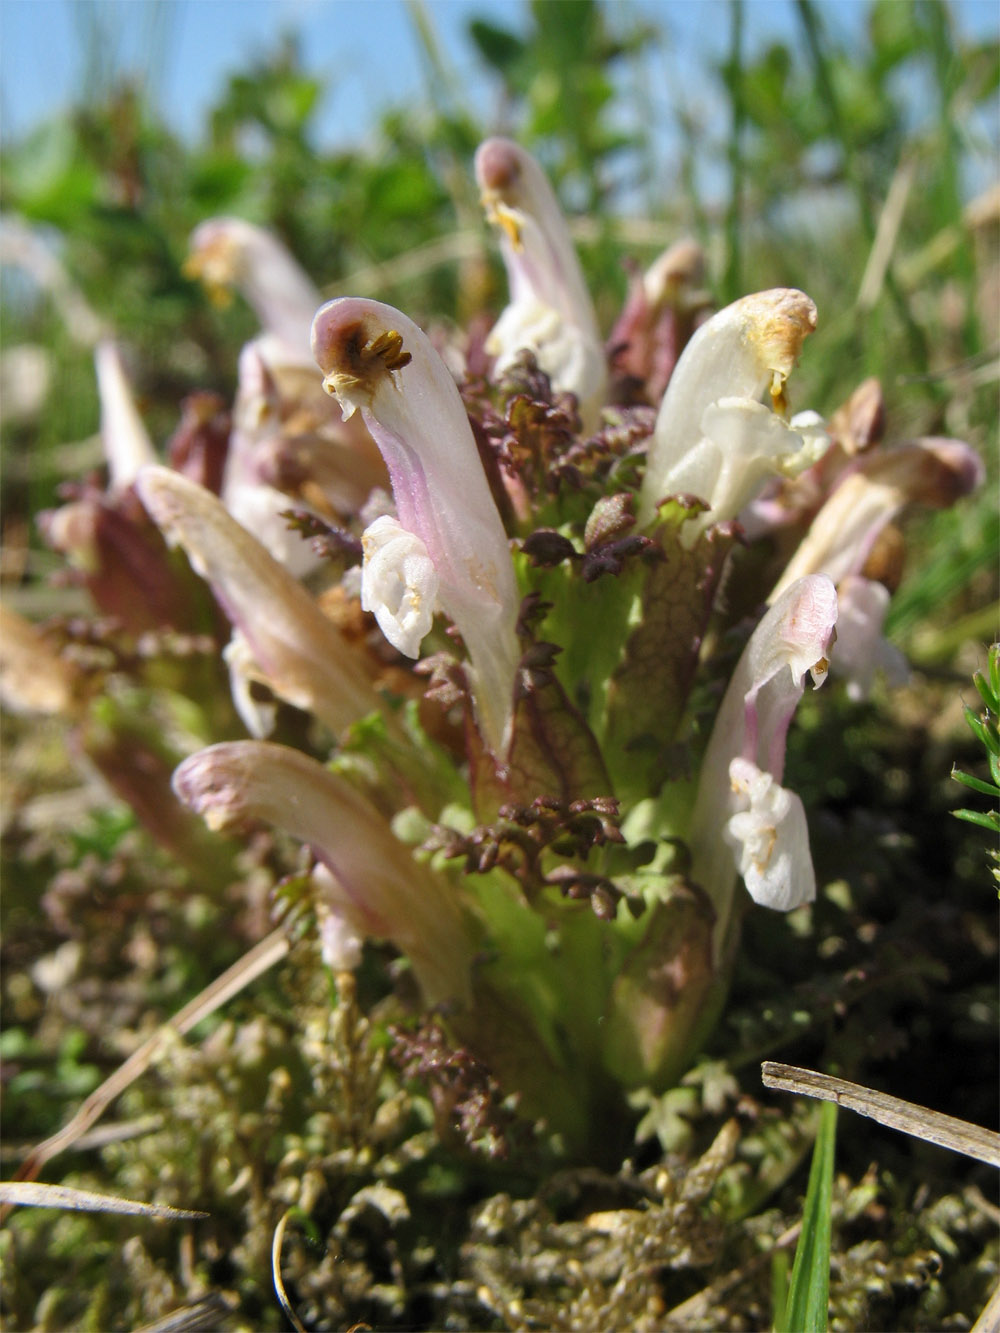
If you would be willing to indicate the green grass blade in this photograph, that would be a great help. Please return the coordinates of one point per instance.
(976, 784)
(987, 821)
(987, 692)
(779, 1288)
(993, 666)
(809, 1290)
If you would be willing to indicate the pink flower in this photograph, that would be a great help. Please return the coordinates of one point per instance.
(932, 471)
(448, 545)
(281, 637)
(371, 885)
(743, 818)
(230, 252)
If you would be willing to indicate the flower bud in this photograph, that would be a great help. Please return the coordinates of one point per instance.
(661, 309)
(127, 445)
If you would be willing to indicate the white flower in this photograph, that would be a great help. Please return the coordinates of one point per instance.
(861, 649)
(550, 311)
(771, 839)
(399, 584)
(743, 764)
(714, 438)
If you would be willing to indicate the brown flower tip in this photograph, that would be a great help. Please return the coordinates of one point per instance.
(353, 361)
(776, 324)
(498, 166)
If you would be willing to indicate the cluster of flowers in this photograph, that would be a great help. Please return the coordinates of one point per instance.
(540, 813)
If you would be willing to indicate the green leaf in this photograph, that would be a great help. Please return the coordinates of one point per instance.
(779, 1287)
(990, 821)
(977, 784)
(48, 177)
(552, 750)
(650, 687)
(218, 179)
(497, 46)
(987, 689)
(653, 1024)
(982, 71)
(894, 34)
(809, 1290)
(978, 727)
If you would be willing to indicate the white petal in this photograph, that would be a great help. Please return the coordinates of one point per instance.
(399, 584)
(771, 839)
(860, 649)
(743, 352)
(257, 717)
(814, 433)
(753, 443)
(341, 926)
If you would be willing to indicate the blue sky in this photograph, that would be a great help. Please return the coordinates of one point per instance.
(182, 50)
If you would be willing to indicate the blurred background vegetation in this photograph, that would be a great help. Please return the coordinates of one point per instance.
(859, 168)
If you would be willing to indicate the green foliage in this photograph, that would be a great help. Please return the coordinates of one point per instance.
(257, 1119)
(805, 1308)
(984, 727)
(560, 75)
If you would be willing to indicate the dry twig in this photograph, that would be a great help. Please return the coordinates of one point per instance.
(944, 1130)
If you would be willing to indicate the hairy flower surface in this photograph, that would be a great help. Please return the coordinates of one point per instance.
(375, 359)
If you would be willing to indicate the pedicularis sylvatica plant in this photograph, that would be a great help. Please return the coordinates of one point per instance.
(551, 601)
